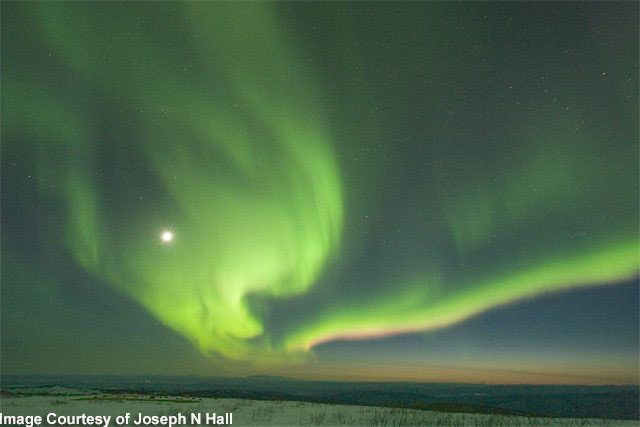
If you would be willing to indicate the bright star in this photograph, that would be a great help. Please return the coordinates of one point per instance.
(167, 236)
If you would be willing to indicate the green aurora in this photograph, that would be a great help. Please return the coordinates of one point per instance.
(213, 121)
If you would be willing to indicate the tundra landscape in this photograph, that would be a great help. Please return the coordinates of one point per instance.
(263, 413)
(273, 401)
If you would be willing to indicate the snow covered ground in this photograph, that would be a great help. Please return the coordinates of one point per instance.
(262, 413)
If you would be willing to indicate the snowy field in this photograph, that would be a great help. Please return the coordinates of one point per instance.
(262, 413)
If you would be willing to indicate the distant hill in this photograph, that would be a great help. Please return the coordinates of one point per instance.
(613, 402)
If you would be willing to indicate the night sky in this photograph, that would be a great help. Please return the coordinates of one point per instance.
(398, 191)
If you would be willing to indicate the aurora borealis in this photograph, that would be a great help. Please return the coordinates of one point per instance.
(293, 188)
